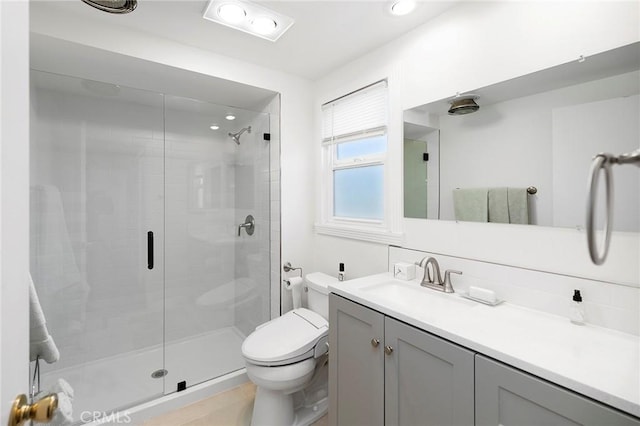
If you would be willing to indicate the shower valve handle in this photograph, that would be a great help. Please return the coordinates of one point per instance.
(249, 225)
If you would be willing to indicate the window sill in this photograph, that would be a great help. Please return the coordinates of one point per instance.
(360, 233)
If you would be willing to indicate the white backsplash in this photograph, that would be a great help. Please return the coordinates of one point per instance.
(606, 305)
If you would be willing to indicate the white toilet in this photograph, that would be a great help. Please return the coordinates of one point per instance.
(286, 358)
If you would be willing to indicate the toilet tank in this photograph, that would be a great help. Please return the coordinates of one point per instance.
(318, 295)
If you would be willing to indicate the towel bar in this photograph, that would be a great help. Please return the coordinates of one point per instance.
(604, 161)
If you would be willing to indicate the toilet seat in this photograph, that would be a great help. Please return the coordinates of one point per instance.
(287, 339)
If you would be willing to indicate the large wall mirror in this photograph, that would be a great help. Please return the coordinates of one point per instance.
(524, 156)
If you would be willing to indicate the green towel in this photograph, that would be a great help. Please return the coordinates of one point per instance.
(498, 205)
(518, 205)
(470, 205)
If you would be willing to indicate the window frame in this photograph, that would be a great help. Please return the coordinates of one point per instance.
(383, 230)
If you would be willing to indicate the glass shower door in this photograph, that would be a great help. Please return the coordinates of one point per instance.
(217, 275)
(96, 191)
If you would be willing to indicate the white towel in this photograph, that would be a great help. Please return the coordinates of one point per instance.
(40, 341)
(62, 386)
(63, 416)
(62, 289)
(55, 262)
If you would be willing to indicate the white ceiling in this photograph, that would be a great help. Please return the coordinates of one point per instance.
(326, 34)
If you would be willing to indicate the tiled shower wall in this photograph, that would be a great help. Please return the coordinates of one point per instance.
(200, 218)
(253, 174)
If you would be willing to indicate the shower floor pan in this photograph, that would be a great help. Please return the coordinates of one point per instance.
(116, 383)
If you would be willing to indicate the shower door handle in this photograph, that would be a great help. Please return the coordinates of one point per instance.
(150, 250)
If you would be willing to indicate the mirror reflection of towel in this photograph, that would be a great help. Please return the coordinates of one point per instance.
(498, 205)
(518, 205)
(470, 204)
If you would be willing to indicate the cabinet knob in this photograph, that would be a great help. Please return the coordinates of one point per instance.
(388, 349)
(375, 342)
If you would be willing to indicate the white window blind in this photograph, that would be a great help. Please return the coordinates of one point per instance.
(358, 113)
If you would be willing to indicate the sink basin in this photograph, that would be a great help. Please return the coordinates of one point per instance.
(411, 296)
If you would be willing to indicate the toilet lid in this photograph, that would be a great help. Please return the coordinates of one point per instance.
(289, 336)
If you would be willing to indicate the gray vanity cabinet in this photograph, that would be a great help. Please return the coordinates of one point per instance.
(356, 364)
(428, 381)
(510, 397)
(385, 372)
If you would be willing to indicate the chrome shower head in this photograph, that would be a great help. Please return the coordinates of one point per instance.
(463, 104)
(236, 136)
(113, 6)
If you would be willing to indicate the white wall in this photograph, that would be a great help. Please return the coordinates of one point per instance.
(474, 45)
(295, 113)
(14, 205)
(581, 131)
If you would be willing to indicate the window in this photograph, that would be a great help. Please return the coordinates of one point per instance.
(354, 172)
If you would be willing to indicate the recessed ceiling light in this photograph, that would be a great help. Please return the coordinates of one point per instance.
(232, 13)
(402, 7)
(230, 117)
(214, 127)
(249, 17)
(264, 25)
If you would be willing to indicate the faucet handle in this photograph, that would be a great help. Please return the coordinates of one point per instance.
(448, 287)
(248, 225)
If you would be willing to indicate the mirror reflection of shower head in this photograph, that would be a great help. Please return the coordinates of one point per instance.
(100, 88)
(463, 104)
(236, 136)
(113, 6)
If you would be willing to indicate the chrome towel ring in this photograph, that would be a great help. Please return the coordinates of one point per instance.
(603, 162)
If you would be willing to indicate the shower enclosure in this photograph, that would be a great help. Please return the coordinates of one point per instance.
(147, 282)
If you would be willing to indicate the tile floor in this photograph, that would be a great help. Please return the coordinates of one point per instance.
(230, 408)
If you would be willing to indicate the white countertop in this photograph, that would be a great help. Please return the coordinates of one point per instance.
(600, 363)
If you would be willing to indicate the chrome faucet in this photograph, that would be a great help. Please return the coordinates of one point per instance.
(435, 281)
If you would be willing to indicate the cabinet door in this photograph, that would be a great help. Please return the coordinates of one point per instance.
(428, 381)
(356, 364)
(509, 397)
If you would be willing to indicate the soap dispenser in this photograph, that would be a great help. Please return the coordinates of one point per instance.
(576, 311)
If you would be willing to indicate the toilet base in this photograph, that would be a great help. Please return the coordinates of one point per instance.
(272, 408)
(307, 415)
